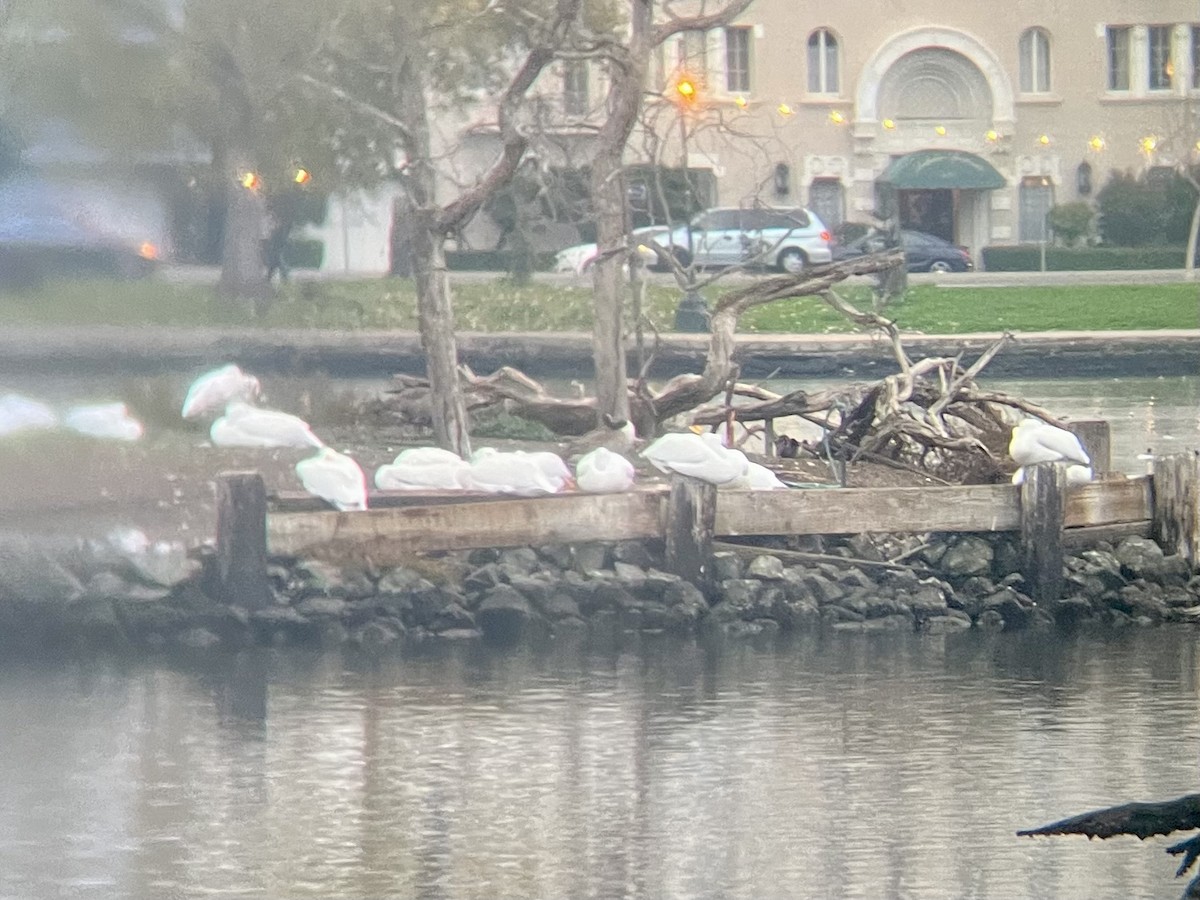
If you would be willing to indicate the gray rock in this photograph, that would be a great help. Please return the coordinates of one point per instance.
(375, 636)
(484, 578)
(865, 546)
(558, 605)
(832, 613)
(727, 566)
(796, 614)
(1014, 609)
(198, 639)
(453, 617)
(822, 589)
(635, 553)
(557, 555)
(31, 574)
(504, 615)
(518, 560)
(111, 586)
(316, 578)
(969, 555)
(1141, 558)
(322, 607)
(765, 568)
(590, 557)
(954, 620)
(631, 576)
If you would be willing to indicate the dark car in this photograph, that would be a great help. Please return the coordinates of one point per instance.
(922, 252)
(41, 239)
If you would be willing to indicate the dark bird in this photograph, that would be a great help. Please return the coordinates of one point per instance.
(787, 447)
(1142, 820)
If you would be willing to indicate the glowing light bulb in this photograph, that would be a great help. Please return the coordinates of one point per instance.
(302, 176)
(250, 181)
(1096, 143)
(1043, 139)
(740, 101)
(888, 124)
(1149, 143)
(784, 109)
(940, 130)
(991, 135)
(836, 117)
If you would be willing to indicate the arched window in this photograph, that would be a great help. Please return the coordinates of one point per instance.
(1035, 62)
(823, 62)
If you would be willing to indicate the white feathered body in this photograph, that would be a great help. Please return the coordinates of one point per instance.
(604, 472)
(334, 477)
(104, 420)
(244, 425)
(516, 473)
(20, 413)
(701, 456)
(213, 391)
(424, 468)
(1034, 441)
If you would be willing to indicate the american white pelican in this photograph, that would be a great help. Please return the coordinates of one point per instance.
(701, 456)
(104, 420)
(551, 464)
(424, 468)
(1034, 441)
(215, 390)
(334, 477)
(244, 425)
(1076, 474)
(603, 472)
(18, 413)
(619, 436)
(520, 474)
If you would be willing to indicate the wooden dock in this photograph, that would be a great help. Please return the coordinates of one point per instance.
(687, 516)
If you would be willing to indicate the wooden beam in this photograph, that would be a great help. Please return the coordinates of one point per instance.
(1096, 437)
(242, 540)
(1043, 514)
(1177, 505)
(556, 519)
(691, 512)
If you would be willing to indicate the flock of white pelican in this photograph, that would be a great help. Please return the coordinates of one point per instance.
(228, 396)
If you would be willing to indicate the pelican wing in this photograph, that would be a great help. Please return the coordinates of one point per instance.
(334, 477)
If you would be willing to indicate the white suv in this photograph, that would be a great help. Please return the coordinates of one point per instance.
(788, 238)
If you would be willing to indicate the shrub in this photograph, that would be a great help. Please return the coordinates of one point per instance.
(1027, 258)
(1131, 211)
(304, 253)
(1071, 222)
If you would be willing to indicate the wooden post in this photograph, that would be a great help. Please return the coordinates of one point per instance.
(1096, 437)
(691, 516)
(769, 437)
(1176, 491)
(1043, 512)
(242, 540)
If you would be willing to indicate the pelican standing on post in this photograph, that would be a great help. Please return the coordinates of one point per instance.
(1034, 441)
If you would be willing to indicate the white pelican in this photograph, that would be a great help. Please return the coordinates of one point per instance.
(551, 464)
(603, 472)
(334, 477)
(1034, 441)
(1076, 474)
(215, 390)
(617, 435)
(104, 420)
(701, 456)
(517, 473)
(18, 413)
(424, 468)
(244, 425)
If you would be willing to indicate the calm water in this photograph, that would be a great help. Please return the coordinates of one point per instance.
(894, 767)
(823, 768)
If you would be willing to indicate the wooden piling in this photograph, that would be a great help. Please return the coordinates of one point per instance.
(691, 518)
(1096, 437)
(1043, 505)
(1176, 505)
(242, 540)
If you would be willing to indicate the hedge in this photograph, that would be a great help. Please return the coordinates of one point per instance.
(491, 261)
(303, 253)
(1028, 258)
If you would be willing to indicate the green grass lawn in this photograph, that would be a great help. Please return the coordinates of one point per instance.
(499, 305)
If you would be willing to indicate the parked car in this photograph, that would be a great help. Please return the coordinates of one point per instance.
(579, 258)
(42, 239)
(789, 239)
(922, 252)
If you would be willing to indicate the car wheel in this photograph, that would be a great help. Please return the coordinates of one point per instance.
(940, 265)
(792, 261)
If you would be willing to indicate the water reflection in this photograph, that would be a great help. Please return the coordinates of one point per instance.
(895, 766)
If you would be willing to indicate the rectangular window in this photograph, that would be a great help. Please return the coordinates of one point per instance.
(693, 53)
(575, 87)
(1035, 62)
(737, 60)
(1161, 68)
(1036, 199)
(1118, 57)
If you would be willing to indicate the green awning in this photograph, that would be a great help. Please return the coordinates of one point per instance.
(933, 169)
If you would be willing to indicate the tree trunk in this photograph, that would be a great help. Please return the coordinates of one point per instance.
(1189, 263)
(436, 314)
(243, 271)
(611, 210)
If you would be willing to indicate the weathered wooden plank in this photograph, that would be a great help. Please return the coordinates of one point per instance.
(1089, 536)
(1096, 437)
(561, 518)
(984, 507)
(242, 540)
(1109, 501)
(691, 511)
(1043, 501)
(1177, 504)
